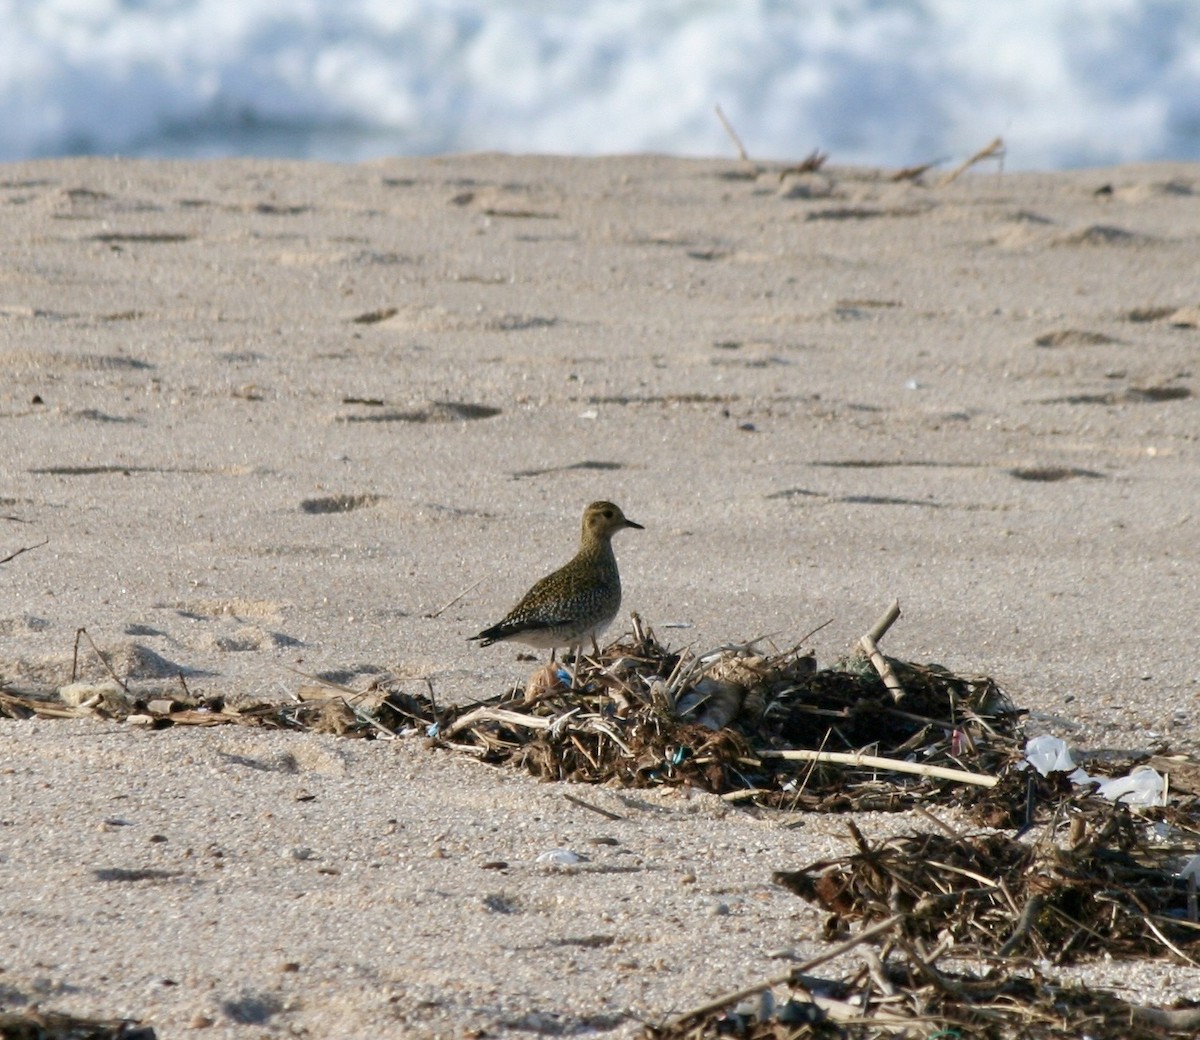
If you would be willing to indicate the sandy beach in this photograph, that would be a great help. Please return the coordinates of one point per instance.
(272, 417)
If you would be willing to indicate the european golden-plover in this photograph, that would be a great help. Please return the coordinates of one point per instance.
(578, 600)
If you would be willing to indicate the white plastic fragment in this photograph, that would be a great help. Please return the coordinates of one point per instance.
(1049, 754)
(1143, 786)
(560, 858)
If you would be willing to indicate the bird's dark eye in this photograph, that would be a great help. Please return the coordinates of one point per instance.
(608, 514)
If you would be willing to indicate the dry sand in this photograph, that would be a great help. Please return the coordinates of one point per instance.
(270, 416)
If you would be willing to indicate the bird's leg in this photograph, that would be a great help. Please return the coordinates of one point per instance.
(595, 647)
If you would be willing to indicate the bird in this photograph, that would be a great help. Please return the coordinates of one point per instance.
(575, 602)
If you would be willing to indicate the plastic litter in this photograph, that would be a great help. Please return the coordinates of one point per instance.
(1143, 786)
(1049, 754)
(560, 858)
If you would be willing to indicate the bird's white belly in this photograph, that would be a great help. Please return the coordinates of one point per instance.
(553, 638)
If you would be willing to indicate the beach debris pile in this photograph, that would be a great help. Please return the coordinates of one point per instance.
(1083, 887)
(955, 931)
(748, 724)
(758, 727)
(53, 1025)
(902, 990)
(768, 728)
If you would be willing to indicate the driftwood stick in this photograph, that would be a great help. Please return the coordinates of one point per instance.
(103, 660)
(891, 764)
(888, 618)
(737, 141)
(911, 173)
(878, 972)
(789, 977)
(486, 714)
(883, 667)
(1167, 942)
(924, 963)
(594, 808)
(993, 149)
(809, 164)
(639, 630)
(880, 663)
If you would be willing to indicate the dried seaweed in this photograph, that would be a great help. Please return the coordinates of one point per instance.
(770, 728)
(903, 993)
(51, 1025)
(1106, 890)
(1099, 881)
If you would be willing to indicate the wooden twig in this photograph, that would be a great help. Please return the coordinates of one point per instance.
(737, 141)
(24, 549)
(809, 772)
(103, 660)
(875, 762)
(911, 173)
(925, 966)
(779, 980)
(639, 631)
(944, 827)
(888, 618)
(594, 808)
(805, 638)
(993, 149)
(367, 719)
(878, 972)
(809, 164)
(321, 682)
(1167, 942)
(880, 663)
(486, 714)
(883, 667)
(448, 605)
(599, 726)
(744, 794)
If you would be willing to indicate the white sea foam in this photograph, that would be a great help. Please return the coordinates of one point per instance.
(1065, 82)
